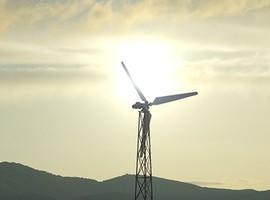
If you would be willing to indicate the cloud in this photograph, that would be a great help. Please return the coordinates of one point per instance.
(87, 51)
(187, 21)
(207, 183)
(228, 47)
(54, 53)
(209, 8)
(32, 15)
(245, 67)
(110, 15)
(24, 81)
(17, 74)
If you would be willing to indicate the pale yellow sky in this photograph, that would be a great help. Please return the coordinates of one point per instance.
(66, 103)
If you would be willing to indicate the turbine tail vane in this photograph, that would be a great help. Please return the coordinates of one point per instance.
(166, 99)
(133, 83)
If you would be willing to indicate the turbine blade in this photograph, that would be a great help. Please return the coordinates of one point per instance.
(166, 99)
(133, 83)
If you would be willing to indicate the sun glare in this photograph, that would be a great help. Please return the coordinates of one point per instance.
(151, 65)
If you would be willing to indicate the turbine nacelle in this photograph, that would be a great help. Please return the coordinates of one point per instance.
(139, 105)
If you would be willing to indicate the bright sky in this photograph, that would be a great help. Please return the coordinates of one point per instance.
(65, 101)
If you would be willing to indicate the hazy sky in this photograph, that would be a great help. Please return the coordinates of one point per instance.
(65, 103)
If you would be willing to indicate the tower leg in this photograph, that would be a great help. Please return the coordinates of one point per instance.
(143, 182)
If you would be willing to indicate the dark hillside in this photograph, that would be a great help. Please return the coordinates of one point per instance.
(19, 182)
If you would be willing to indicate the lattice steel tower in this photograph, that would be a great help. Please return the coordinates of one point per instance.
(143, 180)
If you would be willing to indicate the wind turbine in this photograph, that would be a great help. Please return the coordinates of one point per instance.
(143, 182)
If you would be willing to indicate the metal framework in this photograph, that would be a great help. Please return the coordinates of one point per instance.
(143, 183)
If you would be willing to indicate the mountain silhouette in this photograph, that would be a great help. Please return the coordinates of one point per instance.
(19, 182)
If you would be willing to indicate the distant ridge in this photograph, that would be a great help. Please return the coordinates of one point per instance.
(20, 182)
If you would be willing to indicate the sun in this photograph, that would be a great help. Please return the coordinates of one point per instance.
(151, 64)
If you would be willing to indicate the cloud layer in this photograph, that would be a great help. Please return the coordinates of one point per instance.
(215, 39)
(92, 16)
